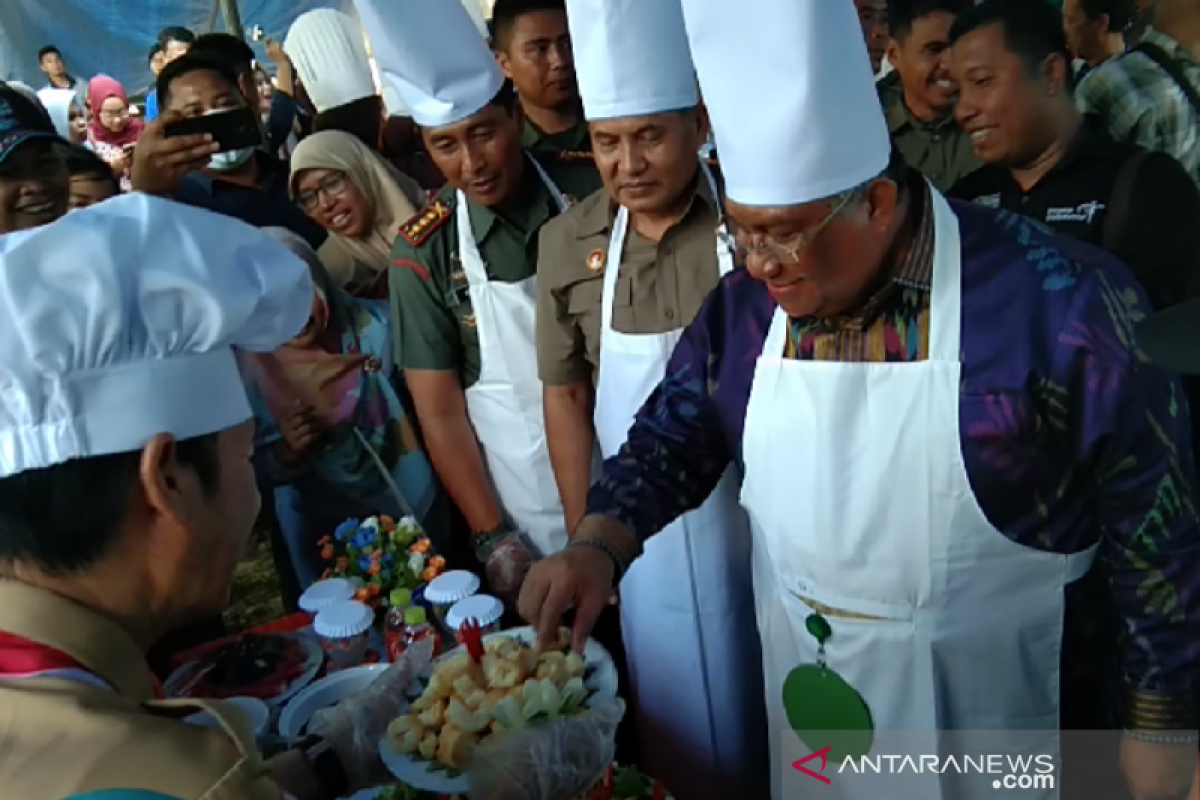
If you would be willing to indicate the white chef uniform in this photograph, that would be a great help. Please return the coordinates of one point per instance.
(688, 602)
(854, 477)
(432, 55)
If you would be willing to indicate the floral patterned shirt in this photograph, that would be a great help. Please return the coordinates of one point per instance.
(1069, 435)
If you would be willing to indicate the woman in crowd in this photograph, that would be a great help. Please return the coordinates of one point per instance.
(334, 435)
(362, 201)
(112, 131)
(92, 180)
(66, 112)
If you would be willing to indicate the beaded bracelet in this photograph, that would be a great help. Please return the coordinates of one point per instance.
(603, 547)
(1151, 737)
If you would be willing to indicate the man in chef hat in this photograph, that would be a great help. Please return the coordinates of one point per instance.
(463, 290)
(929, 475)
(127, 495)
(329, 52)
(652, 231)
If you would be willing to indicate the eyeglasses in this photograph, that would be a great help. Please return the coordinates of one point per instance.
(114, 115)
(784, 253)
(332, 185)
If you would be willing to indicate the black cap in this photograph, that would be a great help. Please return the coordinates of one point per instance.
(20, 120)
(1171, 338)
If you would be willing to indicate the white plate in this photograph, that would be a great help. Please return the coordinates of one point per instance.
(601, 682)
(323, 694)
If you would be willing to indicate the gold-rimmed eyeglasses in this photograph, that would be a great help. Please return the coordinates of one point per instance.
(785, 252)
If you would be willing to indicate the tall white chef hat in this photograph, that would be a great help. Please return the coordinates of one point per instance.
(330, 54)
(631, 57)
(119, 323)
(431, 53)
(796, 118)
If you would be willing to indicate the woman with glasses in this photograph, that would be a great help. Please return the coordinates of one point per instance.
(112, 131)
(362, 201)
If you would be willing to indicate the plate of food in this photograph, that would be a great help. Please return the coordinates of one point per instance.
(465, 701)
(269, 667)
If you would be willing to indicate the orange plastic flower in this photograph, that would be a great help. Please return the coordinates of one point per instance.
(375, 568)
(324, 540)
(362, 595)
(438, 562)
(387, 522)
(430, 573)
(378, 554)
(327, 553)
(419, 546)
(374, 589)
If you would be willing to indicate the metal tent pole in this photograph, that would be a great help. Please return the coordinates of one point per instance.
(233, 19)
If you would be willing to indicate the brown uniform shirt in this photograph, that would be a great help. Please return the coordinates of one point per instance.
(660, 285)
(60, 737)
(941, 151)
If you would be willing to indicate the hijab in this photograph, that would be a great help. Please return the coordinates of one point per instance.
(311, 367)
(102, 88)
(58, 103)
(392, 196)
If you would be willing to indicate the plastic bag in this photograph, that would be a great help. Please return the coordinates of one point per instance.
(558, 759)
(354, 726)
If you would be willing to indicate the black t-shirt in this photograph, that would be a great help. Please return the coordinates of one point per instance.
(1160, 240)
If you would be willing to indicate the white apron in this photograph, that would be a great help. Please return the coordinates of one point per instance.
(859, 499)
(687, 605)
(505, 404)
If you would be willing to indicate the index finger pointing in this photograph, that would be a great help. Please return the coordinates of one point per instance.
(557, 601)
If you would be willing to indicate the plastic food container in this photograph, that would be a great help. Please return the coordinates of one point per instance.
(345, 631)
(447, 589)
(323, 594)
(484, 609)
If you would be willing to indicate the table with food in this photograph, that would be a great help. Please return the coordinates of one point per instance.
(486, 712)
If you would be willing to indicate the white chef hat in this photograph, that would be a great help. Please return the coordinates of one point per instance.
(431, 53)
(330, 54)
(118, 323)
(392, 102)
(631, 57)
(796, 118)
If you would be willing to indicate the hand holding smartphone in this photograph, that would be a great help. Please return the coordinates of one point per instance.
(231, 129)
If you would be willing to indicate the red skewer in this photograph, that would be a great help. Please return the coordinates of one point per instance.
(472, 638)
(660, 792)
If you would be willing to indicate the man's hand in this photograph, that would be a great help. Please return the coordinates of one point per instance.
(300, 430)
(275, 51)
(1158, 771)
(161, 161)
(580, 575)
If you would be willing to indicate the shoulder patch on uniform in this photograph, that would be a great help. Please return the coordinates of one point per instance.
(415, 266)
(418, 229)
(574, 155)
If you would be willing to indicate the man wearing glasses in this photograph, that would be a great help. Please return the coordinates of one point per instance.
(941, 418)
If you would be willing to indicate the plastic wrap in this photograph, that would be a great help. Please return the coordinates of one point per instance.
(354, 726)
(506, 567)
(558, 759)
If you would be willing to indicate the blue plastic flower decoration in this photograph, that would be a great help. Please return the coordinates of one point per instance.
(345, 529)
(364, 563)
(389, 560)
(385, 575)
(363, 539)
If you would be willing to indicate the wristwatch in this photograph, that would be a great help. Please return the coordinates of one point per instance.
(325, 765)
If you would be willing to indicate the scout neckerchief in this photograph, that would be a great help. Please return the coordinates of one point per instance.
(22, 658)
(824, 710)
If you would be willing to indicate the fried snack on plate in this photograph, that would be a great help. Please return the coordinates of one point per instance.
(405, 734)
(429, 746)
(463, 718)
(503, 646)
(502, 673)
(432, 716)
(576, 666)
(455, 747)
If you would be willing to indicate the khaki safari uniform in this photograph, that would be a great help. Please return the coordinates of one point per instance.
(660, 285)
(571, 153)
(941, 151)
(100, 727)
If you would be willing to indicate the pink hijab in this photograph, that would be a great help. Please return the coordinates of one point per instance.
(102, 88)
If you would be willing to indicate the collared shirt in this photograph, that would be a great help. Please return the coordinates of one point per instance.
(941, 151)
(1160, 238)
(1143, 105)
(431, 301)
(77, 85)
(571, 150)
(1069, 436)
(61, 736)
(660, 285)
(268, 205)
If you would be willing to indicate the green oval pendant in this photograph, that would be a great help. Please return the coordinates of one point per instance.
(825, 711)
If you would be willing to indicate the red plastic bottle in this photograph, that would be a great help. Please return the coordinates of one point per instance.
(393, 625)
(418, 627)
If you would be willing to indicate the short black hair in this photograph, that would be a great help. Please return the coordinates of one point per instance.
(1032, 29)
(225, 47)
(154, 51)
(175, 33)
(65, 518)
(1121, 13)
(185, 65)
(48, 50)
(903, 13)
(82, 161)
(506, 12)
(362, 119)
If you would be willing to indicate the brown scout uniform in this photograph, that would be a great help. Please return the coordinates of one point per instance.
(660, 285)
(60, 737)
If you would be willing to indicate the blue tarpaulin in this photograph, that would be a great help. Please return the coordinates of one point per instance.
(114, 38)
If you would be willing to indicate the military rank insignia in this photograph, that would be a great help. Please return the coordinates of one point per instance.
(418, 229)
(595, 260)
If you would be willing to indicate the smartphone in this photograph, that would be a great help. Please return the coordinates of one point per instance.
(231, 130)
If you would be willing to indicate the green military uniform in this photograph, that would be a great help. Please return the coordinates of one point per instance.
(571, 150)
(660, 285)
(431, 302)
(941, 151)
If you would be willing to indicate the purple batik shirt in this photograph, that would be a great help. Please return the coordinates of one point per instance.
(1069, 435)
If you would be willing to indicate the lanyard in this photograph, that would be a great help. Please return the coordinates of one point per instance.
(22, 659)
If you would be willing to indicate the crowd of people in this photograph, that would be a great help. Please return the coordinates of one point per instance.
(846, 375)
